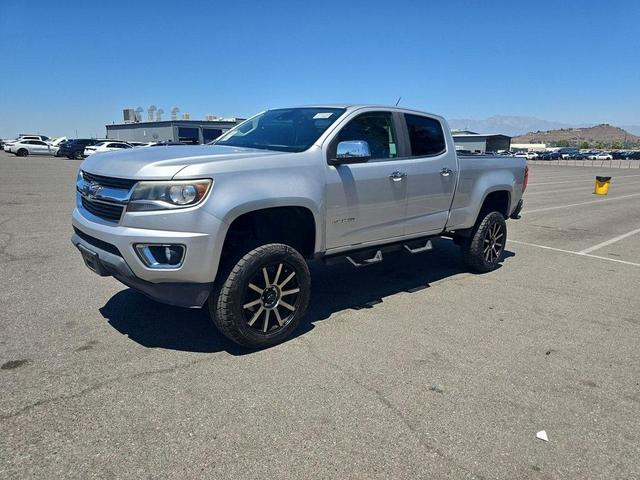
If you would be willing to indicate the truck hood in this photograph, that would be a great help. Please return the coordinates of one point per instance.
(163, 163)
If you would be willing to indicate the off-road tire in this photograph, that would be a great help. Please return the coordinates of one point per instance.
(226, 300)
(473, 253)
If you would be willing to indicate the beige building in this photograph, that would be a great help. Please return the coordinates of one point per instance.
(529, 147)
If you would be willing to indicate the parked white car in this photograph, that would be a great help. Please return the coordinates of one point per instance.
(105, 147)
(29, 147)
(601, 156)
(141, 144)
(44, 138)
(527, 155)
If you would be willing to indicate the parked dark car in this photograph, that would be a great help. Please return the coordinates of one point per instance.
(623, 155)
(562, 153)
(75, 148)
(550, 156)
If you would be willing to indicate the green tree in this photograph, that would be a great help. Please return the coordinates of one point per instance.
(584, 145)
(617, 145)
(562, 143)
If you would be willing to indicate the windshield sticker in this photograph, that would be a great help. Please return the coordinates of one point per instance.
(322, 115)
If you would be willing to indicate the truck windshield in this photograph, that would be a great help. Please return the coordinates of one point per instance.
(286, 130)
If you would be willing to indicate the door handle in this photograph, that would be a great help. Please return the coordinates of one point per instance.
(445, 172)
(397, 176)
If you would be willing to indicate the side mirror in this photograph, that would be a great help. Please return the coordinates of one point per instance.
(352, 151)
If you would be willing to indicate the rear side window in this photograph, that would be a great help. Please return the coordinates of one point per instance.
(426, 135)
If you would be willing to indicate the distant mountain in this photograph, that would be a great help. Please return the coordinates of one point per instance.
(507, 125)
(599, 136)
(635, 129)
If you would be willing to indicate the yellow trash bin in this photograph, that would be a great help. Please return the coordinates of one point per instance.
(602, 185)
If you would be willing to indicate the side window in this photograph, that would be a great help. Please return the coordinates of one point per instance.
(375, 128)
(425, 134)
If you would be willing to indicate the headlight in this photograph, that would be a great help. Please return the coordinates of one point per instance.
(148, 196)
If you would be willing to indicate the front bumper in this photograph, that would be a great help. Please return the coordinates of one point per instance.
(113, 245)
(110, 264)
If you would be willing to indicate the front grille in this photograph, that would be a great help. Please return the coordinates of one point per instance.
(110, 182)
(96, 242)
(107, 211)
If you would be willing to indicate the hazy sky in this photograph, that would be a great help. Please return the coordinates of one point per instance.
(70, 66)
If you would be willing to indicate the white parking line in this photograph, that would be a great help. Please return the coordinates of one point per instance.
(535, 176)
(576, 181)
(580, 254)
(546, 209)
(582, 188)
(609, 242)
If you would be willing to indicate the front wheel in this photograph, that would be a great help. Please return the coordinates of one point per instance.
(262, 299)
(22, 152)
(483, 251)
(78, 155)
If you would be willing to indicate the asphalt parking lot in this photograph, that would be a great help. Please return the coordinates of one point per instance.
(409, 369)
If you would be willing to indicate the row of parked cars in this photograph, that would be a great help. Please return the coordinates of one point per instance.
(576, 154)
(71, 148)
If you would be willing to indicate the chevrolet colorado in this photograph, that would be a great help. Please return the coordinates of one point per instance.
(231, 225)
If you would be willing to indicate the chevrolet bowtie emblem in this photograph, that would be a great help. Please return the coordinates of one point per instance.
(92, 189)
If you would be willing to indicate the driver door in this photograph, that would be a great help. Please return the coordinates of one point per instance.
(366, 202)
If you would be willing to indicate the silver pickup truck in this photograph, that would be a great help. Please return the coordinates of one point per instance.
(231, 225)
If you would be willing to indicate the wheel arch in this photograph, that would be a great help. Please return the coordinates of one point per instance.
(294, 223)
(497, 199)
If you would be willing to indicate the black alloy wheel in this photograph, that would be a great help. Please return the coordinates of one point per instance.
(271, 297)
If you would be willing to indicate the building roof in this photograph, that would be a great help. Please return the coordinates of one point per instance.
(477, 135)
(166, 123)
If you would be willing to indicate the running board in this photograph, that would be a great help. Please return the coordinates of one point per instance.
(377, 258)
(373, 255)
(425, 248)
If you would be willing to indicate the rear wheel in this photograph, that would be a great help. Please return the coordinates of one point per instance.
(78, 155)
(260, 300)
(483, 250)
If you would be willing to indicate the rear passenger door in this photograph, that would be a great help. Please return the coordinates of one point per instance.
(431, 175)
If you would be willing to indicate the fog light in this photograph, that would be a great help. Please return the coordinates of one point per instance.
(160, 255)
